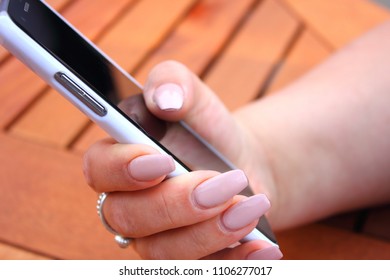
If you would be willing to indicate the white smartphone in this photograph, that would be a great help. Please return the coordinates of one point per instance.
(44, 41)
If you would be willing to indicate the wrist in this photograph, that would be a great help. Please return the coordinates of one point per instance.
(255, 161)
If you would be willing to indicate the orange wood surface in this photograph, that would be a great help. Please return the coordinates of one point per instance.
(338, 22)
(306, 52)
(243, 68)
(242, 49)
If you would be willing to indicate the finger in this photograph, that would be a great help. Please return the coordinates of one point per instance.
(254, 250)
(109, 166)
(176, 202)
(173, 93)
(205, 238)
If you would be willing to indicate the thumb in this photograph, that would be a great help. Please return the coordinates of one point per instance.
(173, 93)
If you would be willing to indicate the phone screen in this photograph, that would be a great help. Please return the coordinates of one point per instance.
(80, 57)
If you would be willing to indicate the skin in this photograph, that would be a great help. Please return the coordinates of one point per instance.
(318, 147)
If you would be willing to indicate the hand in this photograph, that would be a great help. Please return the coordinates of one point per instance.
(196, 215)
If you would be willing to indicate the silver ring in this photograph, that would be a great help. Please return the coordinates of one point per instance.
(122, 241)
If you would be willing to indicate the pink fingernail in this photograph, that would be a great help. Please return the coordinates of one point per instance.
(270, 253)
(150, 167)
(169, 97)
(220, 189)
(245, 212)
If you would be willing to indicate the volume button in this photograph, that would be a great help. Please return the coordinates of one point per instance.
(80, 94)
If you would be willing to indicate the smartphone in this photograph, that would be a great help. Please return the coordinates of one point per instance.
(68, 61)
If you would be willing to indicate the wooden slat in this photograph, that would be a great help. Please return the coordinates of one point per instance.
(8, 252)
(58, 4)
(307, 52)
(91, 21)
(92, 134)
(318, 241)
(339, 21)
(200, 37)
(19, 87)
(142, 29)
(46, 206)
(54, 121)
(195, 42)
(3, 53)
(241, 71)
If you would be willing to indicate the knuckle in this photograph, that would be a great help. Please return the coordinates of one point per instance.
(164, 210)
(121, 220)
(200, 240)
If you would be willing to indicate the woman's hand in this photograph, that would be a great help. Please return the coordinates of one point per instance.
(191, 216)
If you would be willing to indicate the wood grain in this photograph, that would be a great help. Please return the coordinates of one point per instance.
(307, 52)
(46, 206)
(338, 22)
(240, 72)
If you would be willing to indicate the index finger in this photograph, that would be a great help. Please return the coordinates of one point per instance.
(109, 166)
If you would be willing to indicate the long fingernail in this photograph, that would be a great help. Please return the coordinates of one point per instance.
(270, 253)
(169, 97)
(150, 167)
(220, 189)
(245, 212)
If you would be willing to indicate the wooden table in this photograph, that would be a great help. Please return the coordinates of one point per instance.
(248, 46)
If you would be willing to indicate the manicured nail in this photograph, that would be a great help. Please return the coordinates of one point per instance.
(220, 189)
(150, 167)
(169, 97)
(270, 253)
(245, 212)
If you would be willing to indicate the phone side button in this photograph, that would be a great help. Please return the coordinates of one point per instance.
(80, 93)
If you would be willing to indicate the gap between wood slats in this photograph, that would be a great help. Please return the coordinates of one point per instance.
(46, 206)
(12, 252)
(276, 68)
(305, 52)
(243, 68)
(339, 21)
(233, 34)
(369, 221)
(4, 55)
(201, 36)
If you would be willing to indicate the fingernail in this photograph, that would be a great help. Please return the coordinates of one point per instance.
(270, 253)
(245, 212)
(169, 97)
(150, 167)
(220, 189)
